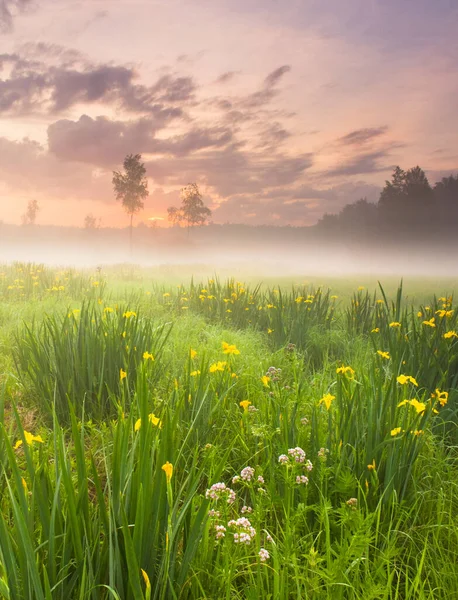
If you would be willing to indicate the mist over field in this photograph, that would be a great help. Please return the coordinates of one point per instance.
(267, 251)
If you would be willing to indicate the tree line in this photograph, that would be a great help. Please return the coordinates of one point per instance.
(408, 206)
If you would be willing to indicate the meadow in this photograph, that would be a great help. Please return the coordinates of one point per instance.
(169, 437)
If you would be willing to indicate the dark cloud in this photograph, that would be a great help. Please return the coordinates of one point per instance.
(104, 142)
(273, 78)
(268, 90)
(37, 87)
(361, 136)
(273, 136)
(8, 8)
(226, 77)
(368, 162)
(232, 170)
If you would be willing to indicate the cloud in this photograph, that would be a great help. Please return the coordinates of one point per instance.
(365, 163)
(105, 142)
(361, 136)
(8, 9)
(268, 90)
(36, 87)
(26, 166)
(226, 77)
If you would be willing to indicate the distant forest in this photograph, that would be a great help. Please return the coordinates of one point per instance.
(408, 207)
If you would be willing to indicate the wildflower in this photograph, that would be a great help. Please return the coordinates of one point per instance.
(450, 334)
(420, 407)
(168, 470)
(361, 288)
(418, 432)
(260, 479)
(444, 313)
(236, 479)
(220, 531)
(305, 421)
(230, 348)
(247, 473)
(403, 403)
(152, 419)
(375, 330)
(107, 309)
(371, 467)
(327, 400)
(147, 582)
(352, 503)
(129, 313)
(166, 295)
(322, 454)
(395, 324)
(269, 330)
(252, 409)
(302, 479)
(383, 354)
(403, 379)
(122, 374)
(245, 531)
(263, 555)
(442, 397)
(147, 355)
(334, 297)
(245, 404)
(269, 538)
(430, 323)
(218, 366)
(220, 491)
(29, 438)
(214, 513)
(298, 454)
(246, 509)
(194, 373)
(395, 431)
(283, 459)
(346, 370)
(299, 299)
(265, 380)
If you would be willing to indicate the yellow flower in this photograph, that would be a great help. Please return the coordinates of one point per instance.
(346, 371)
(420, 407)
(403, 403)
(375, 330)
(192, 353)
(166, 295)
(270, 330)
(230, 348)
(265, 380)
(194, 373)
(245, 404)
(218, 366)
(107, 309)
(361, 288)
(430, 323)
(395, 324)
(334, 297)
(122, 374)
(147, 583)
(383, 354)
(444, 313)
(403, 379)
(327, 400)
(168, 469)
(152, 419)
(395, 431)
(129, 313)
(450, 334)
(299, 299)
(371, 467)
(418, 432)
(419, 314)
(380, 301)
(441, 397)
(147, 355)
(29, 438)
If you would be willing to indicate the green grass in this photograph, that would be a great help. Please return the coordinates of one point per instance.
(106, 381)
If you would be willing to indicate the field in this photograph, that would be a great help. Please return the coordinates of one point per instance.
(163, 437)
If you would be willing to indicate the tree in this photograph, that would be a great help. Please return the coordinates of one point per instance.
(131, 187)
(192, 211)
(407, 202)
(90, 222)
(30, 215)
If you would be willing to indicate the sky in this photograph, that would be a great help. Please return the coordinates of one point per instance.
(280, 110)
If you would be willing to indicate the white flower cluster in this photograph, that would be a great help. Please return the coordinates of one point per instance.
(263, 555)
(245, 531)
(220, 490)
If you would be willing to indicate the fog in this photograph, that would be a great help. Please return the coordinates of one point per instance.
(263, 251)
